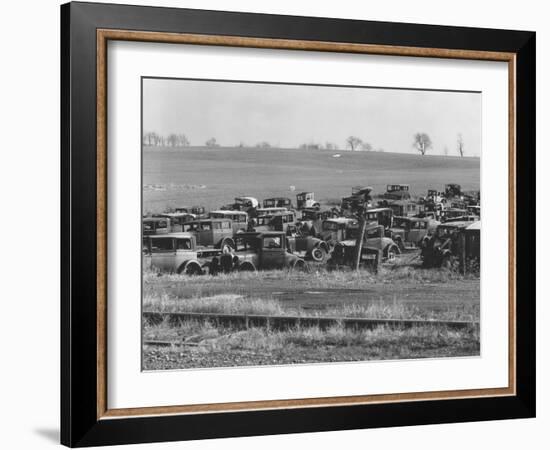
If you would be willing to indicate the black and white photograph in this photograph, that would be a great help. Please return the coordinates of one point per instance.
(298, 224)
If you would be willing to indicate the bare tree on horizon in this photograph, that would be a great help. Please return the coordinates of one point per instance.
(422, 143)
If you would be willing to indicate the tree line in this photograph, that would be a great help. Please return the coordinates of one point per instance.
(421, 142)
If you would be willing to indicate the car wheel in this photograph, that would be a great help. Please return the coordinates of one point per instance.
(392, 252)
(318, 254)
(193, 269)
(247, 267)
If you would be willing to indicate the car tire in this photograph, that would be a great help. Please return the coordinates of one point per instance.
(247, 267)
(318, 254)
(192, 268)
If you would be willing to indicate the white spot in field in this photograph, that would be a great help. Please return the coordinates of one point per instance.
(292, 188)
(337, 155)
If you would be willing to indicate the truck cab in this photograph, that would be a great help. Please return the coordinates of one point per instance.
(277, 202)
(306, 200)
(263, 251)
(155, 225)
(216, 233)
(239, 219)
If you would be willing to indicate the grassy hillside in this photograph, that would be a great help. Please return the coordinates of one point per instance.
(212, 177)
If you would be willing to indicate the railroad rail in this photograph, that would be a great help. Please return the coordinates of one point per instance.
(245, 321)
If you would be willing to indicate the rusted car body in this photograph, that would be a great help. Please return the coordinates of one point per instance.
(216, 233)
(261, 251)
(397, 192)
(450, 213)
(244, 203)
(155, 225)
(281, 221)
(198, 211)
(445, 245)
(177, 219)
(306, 200)
(239, 219)
(176, 253)
(360, 199)
(311, 222)
(412, 232)
(277, 202)
(404, 208)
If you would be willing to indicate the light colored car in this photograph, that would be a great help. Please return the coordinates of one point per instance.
(176, 253)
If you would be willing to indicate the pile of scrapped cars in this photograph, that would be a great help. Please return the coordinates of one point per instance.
(442, 227)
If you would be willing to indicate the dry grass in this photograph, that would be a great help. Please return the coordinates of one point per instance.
(202, 345)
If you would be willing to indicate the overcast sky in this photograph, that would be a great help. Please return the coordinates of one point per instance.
(290, 115)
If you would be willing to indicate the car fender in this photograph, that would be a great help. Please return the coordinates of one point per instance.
(183, 266)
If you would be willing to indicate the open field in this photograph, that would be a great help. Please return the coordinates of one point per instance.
(430, 293)
(213, 177)
(404, 293)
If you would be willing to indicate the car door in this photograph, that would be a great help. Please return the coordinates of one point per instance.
(272, 252)
(163, 254)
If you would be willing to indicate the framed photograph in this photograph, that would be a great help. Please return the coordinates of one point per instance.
(273, 224)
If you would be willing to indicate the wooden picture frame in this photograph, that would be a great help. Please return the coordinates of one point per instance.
(85, 416)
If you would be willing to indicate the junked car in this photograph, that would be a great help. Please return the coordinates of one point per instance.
(176, 253)
(306, 200)
(155, 225)
(216, 233)
(277, 202)
(239, 219)
(412, 232)
(444, 246)
(261, 251)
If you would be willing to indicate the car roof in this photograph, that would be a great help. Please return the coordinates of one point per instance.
(455, 224)
(209, 220)
(341, 219)
(378, 209)
(171, 235)
(229, 211)
(154, 218)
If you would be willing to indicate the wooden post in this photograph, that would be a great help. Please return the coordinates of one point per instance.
(359, 241)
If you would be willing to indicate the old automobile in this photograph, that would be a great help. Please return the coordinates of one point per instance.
(216, 233)
(344, 254)
(403, 207)
(155, 225)
(176, 253)
(346, 231)
(412, 232)
(280, 221)
(306, 200)
(242, 204)
(360, 199)
(337, 229)
(198, 211)
(277, 202)
(453, 190)
(261, 251)
(239, 219)
(450, 213)
(177, 219)
(396, 192)
(312, 221)
(445, 246)
(257, 212)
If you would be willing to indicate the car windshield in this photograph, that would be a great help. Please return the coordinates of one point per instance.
(183, 244)
(401, 223)
(445, 231)
(272, 242)
(331, 226)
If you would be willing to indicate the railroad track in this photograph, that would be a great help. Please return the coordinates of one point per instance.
(240, 321)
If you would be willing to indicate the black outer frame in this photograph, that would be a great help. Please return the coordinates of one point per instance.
(79, 424)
